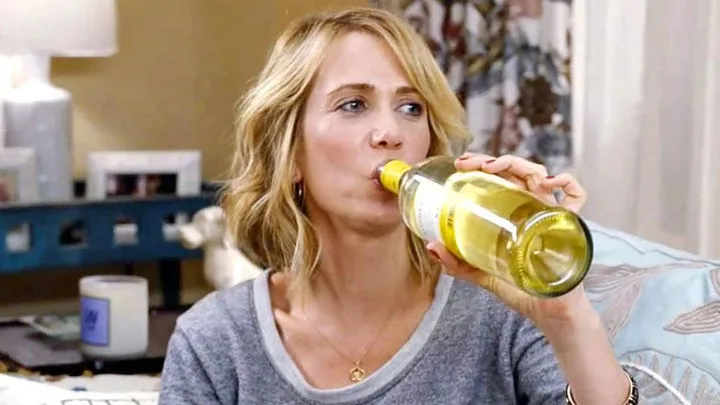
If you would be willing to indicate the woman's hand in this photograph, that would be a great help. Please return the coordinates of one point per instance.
(534, 178)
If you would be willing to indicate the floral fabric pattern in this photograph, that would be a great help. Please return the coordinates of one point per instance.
(509, 63)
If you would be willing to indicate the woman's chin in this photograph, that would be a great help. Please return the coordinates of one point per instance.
(384, 217)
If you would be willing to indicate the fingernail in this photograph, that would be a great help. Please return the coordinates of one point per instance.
(550, 177)
(487, 162)
(463, 157)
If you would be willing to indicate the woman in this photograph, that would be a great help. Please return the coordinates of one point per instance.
(354, 309)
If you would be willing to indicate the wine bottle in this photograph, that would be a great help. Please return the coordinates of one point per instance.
(492, 224)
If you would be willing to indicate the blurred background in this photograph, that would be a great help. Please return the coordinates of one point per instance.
(180, 67)
(625, 95)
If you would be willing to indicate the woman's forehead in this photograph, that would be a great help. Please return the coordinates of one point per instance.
(360, 61)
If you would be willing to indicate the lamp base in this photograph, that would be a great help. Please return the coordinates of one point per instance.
(38, 115)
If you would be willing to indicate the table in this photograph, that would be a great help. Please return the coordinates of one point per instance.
(21, 347)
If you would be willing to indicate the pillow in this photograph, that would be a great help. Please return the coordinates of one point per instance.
(661, 308)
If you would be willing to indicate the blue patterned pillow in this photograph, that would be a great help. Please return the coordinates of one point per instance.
(661, 308)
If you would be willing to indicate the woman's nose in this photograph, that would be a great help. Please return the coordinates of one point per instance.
(386, 134)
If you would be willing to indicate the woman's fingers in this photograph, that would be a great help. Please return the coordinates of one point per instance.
(450, 262)
(574, 196)
(525, 174)
(461, 270)
(457, 268)
(471, 161)
(529, 176)
(532, 174)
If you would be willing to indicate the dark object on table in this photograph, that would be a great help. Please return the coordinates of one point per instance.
(24, 349)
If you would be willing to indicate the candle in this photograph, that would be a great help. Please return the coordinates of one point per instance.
(114, 316)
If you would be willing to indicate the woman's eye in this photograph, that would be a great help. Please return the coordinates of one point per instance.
(412, 108)
(353, 106)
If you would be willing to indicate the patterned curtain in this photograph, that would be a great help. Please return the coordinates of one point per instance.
(509, 63)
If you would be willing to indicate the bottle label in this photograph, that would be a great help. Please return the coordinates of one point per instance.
(430, 199)
(95, 321)
(435, 215)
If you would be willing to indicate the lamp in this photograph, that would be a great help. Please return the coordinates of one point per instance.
(36, 113)
(5, 85)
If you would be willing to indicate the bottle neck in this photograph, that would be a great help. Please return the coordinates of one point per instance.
(391, 174)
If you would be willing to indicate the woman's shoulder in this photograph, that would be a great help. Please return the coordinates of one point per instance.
(219, 311)
(213, 346)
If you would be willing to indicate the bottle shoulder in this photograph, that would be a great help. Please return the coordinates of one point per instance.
(438, 168)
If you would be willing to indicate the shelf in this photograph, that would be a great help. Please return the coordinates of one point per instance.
(48, 225)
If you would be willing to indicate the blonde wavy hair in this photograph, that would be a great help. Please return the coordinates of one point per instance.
(259, 200)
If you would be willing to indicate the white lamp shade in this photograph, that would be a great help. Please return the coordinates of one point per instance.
(70, 28)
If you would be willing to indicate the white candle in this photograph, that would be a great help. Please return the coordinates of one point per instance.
(114, 316)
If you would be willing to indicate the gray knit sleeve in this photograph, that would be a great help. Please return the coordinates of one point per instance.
(185, 380)
(539, 379)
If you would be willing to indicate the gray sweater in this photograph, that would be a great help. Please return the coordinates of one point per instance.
(468, 349)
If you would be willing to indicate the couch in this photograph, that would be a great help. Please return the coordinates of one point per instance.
(661, 308)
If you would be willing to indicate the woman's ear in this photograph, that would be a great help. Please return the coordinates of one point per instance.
(296, 154)
(297, 174)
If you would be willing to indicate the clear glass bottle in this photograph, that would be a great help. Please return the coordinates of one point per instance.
(492, 224)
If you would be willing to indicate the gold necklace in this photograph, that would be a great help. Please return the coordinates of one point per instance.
(357, 372)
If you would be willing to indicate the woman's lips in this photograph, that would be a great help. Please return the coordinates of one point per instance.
(375, 176)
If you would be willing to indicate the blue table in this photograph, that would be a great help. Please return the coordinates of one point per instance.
(97, 219)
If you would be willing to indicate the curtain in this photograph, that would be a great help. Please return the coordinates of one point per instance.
(642, 127)
(647, 118)
(509, 63)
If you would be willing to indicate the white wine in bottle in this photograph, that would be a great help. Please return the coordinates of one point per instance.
(492, 224)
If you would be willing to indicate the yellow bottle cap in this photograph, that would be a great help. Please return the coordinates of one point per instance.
(391, 173)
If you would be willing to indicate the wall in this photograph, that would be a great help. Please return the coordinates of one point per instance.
(180, 68)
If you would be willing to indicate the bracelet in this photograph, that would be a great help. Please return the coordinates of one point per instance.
(633, 397)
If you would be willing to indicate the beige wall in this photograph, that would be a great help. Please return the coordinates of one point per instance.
(180, 68)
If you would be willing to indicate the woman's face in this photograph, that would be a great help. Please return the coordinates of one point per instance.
(361, 111)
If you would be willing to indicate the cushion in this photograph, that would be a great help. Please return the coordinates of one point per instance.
(661, 308)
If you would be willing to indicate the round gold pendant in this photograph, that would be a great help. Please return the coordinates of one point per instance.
(357, 374)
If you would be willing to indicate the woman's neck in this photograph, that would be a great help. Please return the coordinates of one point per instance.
(361, 278)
